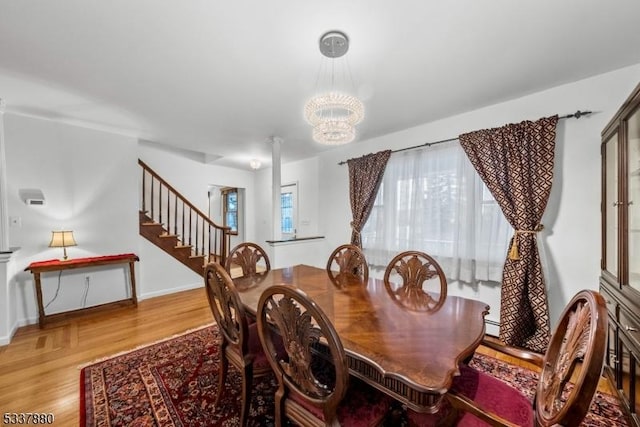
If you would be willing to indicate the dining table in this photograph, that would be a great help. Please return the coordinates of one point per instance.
(410, 355)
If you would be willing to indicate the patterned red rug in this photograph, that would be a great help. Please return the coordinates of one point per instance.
(605, 409)
(173, 383)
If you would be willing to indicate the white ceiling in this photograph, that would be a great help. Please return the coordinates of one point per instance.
(220, 77)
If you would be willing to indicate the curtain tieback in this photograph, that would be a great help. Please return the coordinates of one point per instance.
(513, 251)
(354, 229)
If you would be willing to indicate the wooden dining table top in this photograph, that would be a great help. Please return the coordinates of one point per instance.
(413, 356)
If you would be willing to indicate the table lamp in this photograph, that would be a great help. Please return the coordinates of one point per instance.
(62, 239)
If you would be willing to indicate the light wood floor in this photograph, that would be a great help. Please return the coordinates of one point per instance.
(39, 369)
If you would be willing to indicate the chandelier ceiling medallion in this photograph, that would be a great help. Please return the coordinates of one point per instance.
(334, 114)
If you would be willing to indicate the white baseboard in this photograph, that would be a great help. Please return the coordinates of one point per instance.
(5, 340)
(148, 295)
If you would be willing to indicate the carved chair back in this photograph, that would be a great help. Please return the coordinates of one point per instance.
(314, 372)
(239, 343)
(248, 256)
(576, 354)
(570, 372)
(226, 307)
(349, 259)
(416, 271)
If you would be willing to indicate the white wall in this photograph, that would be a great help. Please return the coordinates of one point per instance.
(8, 316)
(90, 181)
(159, 273)
(306, 174)
(85, 176)
(571, 239)
(216, 211)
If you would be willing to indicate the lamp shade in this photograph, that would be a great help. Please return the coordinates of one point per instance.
(62, 239)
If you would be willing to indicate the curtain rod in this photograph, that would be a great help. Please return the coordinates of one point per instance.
(576, 115)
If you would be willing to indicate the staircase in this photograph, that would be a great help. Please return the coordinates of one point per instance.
(176, 226)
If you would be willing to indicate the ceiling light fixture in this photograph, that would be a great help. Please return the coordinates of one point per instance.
(255, 164)
(334, 114)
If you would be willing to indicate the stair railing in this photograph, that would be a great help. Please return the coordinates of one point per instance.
(165, 205)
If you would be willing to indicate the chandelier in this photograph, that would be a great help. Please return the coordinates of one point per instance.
(334, 114)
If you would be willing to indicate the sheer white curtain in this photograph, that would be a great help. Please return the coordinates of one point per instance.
(433, 200)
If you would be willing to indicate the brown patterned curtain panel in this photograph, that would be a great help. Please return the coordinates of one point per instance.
(516, 163)
(365, 176)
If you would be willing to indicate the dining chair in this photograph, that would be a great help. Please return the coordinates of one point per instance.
(415, 281)
(349, 259)
(250, 257)
(315, 388)
(239, 341)
(570, 371)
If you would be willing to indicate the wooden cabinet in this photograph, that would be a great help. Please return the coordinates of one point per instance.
(620, 262)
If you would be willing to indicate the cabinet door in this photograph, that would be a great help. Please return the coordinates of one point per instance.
(633, 198)
(629, 383)
(613, 351)
(611, 203)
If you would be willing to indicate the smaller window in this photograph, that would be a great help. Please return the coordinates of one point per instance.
(288, 206)
(230, 209)
(287, 212)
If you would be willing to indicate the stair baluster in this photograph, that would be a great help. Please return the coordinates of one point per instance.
(211, 240)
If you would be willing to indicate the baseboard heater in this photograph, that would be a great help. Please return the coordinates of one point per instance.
(492, 325)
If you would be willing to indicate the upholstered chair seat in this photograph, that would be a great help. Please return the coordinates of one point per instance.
(570, 371)
(488, 392)
(260, 361)
(240, 343)
(362, 406)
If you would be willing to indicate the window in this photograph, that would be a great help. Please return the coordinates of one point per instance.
(433, 200)
(288, 204)
(230, 209)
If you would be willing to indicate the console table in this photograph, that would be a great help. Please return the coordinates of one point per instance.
(56, 265)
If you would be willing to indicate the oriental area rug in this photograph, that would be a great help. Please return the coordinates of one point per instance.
(174, 383)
